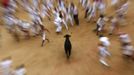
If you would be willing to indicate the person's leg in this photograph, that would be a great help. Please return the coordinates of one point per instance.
(27, 35)
(111, 30)
(35, 29)
(97, 27)
(59, 29)
(86, 12)
(42, 43)
(47, 39)
(98, 32)
(80, 3)
(77, 20)
(65, 24)
(102, 61)
(71, 20)
(108, 53)
(48, 16)
(67, 18)
(89, 17)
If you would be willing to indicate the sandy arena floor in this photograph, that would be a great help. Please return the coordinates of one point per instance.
(51, 60)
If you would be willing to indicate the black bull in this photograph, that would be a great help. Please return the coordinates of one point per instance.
(67, 46)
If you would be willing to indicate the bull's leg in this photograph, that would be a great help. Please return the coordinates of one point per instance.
(66, 52)
(69, 53)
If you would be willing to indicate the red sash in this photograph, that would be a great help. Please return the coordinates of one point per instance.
(5, 3)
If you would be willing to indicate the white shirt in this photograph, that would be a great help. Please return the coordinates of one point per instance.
(128, 50)
(56, 14)
(114, 21)
(58, 21)
(123, 9)
(13, 3)
(35, 3)
(125, 38)
(6, 67)
(102, 6)
(10, 20)
(61, 4)
(75, 11)
(102, 50)
(113, 2)
(100, 22)
(24, 24)
(105, 41)
(44, 11)
(50, 3)
(21, 71)
(88, 4)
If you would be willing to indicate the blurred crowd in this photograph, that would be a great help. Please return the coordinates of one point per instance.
(65, 13)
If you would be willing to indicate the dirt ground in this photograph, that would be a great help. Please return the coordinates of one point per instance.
(51, 60)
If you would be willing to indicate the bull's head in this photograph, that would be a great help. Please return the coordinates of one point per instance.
(67, 36)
